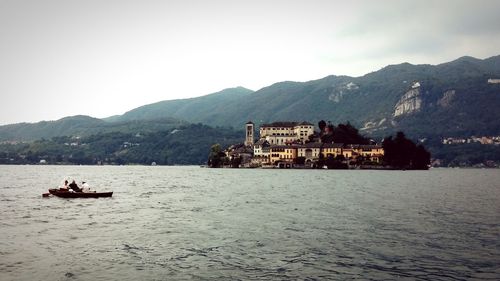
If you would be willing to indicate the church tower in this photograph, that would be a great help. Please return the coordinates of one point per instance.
(249, 134)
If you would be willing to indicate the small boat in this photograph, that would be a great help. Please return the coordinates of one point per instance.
(71, 194)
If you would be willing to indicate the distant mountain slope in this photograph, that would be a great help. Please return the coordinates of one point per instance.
(47, 129)
(184, 144)
(449, 99)
(209, 109)
(81, 126)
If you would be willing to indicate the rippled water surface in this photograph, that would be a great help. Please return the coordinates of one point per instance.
(223, 224)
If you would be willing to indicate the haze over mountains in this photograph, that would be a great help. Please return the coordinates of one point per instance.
(458, 98)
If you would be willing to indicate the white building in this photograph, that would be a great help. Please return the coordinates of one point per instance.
(259, 148)
(282, 133)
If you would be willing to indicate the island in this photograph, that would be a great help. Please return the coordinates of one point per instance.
(287, 144)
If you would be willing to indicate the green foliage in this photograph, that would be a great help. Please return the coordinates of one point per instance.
(335, 163)
(82, 126)
(210, 109)
(342, 133)
(462, 155)
(369, 98)
(402, 153)
(300, 160)
(187, 144)
(215, 157)
(346, 133)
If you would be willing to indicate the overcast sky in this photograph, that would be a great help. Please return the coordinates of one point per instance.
(101, 58)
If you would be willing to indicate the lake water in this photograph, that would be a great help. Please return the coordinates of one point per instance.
(189, 223)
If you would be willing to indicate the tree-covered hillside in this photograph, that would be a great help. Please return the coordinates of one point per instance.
(453, 98)
(450, 99)
(210, 109)
(185, 144)
(82, 126)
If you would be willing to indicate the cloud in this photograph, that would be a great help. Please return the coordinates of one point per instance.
(128, 53)
(416, 31)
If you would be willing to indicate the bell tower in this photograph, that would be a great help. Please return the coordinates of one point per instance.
(249, 133)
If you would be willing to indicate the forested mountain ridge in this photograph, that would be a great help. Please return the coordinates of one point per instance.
(181, 145)
(458, 98)
(81, 125)
(149, 118)
(209, 109)
(449, 99)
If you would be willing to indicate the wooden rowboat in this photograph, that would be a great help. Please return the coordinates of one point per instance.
(70, 194)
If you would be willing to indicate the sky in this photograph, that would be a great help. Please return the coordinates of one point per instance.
(102, 58)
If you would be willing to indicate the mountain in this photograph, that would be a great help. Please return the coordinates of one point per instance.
(446, 100)
(47, 129)
(81, 125)
(460, 98)
(449, 99)
(209, 109)
(184, 144)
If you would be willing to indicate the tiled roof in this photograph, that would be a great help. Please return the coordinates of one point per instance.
(283, 135)
(284, 146)
(322, 145)
(311, 145)
(333, 145)
(262, 142)
(286, 124)
(364, 146)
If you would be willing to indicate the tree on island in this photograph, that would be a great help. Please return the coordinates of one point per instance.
(337, 162)
(342, 133)
(321, 126)
(346, 133)
(216, 157)
(402, 153)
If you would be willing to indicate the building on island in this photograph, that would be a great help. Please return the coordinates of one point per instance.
(283, 153)
(261, 152)
(371, 152)
(249, 134)
(259, 148)
(282, 133)
(311, 152)
(288, 144)
(332, 149)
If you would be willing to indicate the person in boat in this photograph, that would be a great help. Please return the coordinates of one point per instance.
(85, 187)
(74, 186)
(65, 186)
